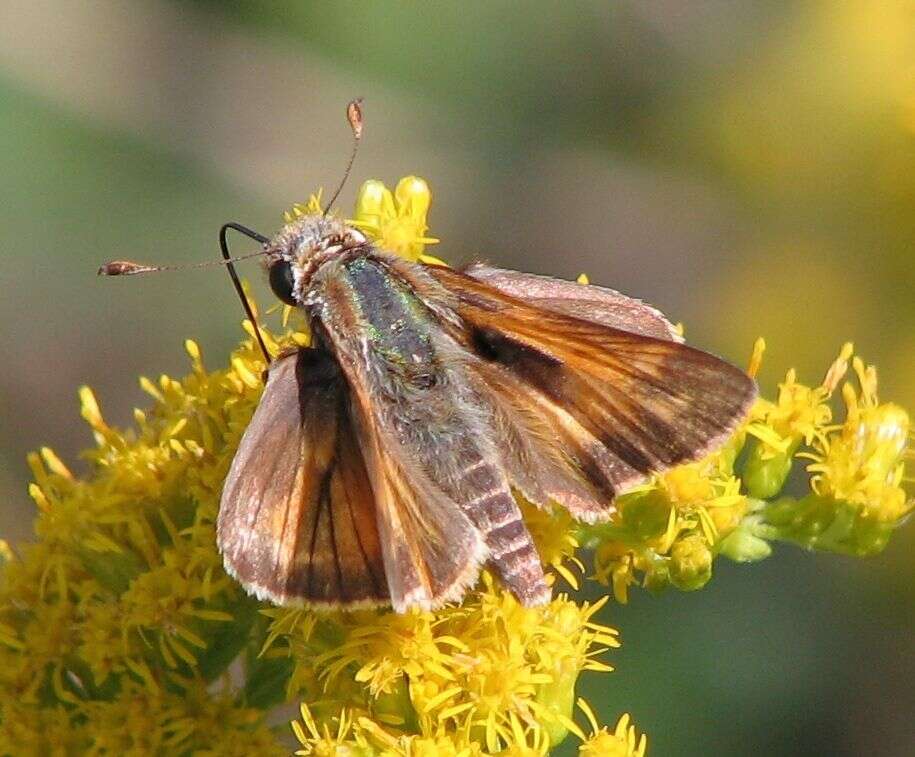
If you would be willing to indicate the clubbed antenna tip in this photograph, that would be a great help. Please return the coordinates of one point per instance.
(354, 116)
(124, 268)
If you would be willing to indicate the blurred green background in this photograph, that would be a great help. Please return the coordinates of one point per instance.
(749, 167)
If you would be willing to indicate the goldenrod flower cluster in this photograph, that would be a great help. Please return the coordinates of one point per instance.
(732, 502)
(120, 633)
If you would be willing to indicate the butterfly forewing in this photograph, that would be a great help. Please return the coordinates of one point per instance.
(621, 404)
(592, 303)
(297, 516)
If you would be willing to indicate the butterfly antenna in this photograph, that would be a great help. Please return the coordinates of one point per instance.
(249, 311)
(354, 116)
(129, 268)
(132, 268)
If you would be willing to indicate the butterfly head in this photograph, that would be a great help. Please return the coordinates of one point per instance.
(300, 248)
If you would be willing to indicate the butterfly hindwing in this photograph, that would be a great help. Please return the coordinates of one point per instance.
(545, 456)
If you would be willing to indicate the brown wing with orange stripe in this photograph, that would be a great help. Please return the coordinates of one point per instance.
(297, 518)
(605, 406)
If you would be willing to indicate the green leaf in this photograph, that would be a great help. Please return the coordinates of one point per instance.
(113, 570)
(265, 686)
(225, 640)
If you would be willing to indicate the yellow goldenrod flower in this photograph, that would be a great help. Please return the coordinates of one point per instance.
(309, 208)
(353, 736)
(477, 667)
(398, 220)
(621, 742)
(862, 461)
(670, 527)
(553, 532)
(321, 741)
(858, 467)
(800, 414)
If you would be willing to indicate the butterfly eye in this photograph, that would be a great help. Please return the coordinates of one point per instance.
(282, 281)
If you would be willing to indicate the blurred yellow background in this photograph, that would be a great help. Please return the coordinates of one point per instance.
(749, 167)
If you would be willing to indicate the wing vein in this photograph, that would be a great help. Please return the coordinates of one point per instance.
(333, 538)
(362, 549)
(314, 531)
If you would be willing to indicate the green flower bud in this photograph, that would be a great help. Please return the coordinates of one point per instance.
(830, 524)
(746, 543)
(558, 697)
(690, 563)
(657, 572)
(764, 473)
